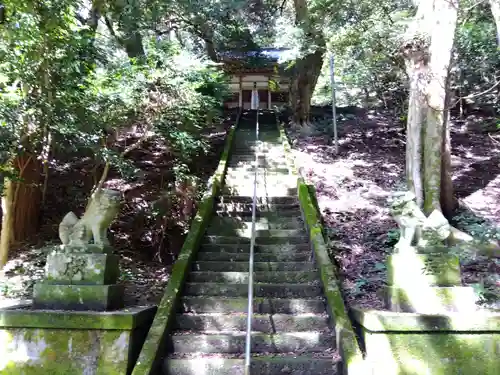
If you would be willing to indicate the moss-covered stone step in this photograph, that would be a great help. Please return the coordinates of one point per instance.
(286, 200)
(262, 223)
(261, 365)
(262, 171)
(263, 190)
(261, 343)
(262, 162)
(265, 249)
(262, 277)
(260, 290)
(259, 240)
(239, 151)
(261, 209)
(265, 137)
(259, 232)
(264, 177)
(269, 215)
(251, 157)
(200, 305)
(260, 322)
(258, 266)
(244, 257)
(244, 145)
(271, 186)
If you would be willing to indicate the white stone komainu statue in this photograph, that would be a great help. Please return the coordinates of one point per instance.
(102, 209)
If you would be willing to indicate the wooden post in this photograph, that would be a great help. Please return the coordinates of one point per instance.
(268, 98)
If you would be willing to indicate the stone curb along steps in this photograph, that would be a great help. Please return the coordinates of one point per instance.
(353, 362)
(201, 321)
(151, 355)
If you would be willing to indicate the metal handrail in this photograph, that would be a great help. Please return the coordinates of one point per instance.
(248, 342)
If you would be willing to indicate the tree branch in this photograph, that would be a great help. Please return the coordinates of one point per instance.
(282, 7)
(476, 95)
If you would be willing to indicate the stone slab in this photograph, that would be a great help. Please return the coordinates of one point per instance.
(77, 297)
(431, 300)
(284, 342)
(27, 317)
(79, 268)
(436, 353)
(64, 343)
(437, 344)
(423, 269)
(88, 248)
(381, 321)
(262, 365)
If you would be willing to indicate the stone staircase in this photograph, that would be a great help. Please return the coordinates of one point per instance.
(291, 333)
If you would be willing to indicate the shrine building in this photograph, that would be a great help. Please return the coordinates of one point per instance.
(261, 68)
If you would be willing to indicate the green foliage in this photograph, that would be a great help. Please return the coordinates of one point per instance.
(370, 70)
(477, 61)
(392, 237)
(46, 86)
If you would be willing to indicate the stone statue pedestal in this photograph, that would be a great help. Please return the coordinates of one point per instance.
(427, 283)
(423, 277)
(80, 278)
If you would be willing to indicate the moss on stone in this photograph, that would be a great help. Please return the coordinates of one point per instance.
(425, 269)
(151, 350)
(436, 353)
(431, 299)
(81, 268)
(382, 321)
(350, 351)
(57, 352)
(77, 297)
(124, 319)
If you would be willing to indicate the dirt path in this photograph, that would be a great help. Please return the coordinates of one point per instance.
(353, 187)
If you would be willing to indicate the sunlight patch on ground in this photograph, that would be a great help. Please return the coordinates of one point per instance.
(484, 202)
(338, 175)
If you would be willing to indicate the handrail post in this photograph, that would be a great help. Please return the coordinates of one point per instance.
(248, 342)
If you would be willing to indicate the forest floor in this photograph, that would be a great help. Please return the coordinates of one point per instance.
(353, 188)
(149, 230)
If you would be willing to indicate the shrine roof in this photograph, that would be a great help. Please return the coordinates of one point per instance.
(273, 54)
(265, 60)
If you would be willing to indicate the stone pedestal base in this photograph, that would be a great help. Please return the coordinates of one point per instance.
(78, 297)
(437, 344)
(427, 284)
(80, 278)
(69, 342)
(405, 270)
(81, 268)
(431, 300)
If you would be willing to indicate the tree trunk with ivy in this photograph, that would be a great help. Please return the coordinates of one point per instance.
(428, 53)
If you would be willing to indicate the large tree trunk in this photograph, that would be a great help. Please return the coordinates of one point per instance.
(7, 220)
(20, 204)
(132, 42)
(308, 71)
(307, 67)
(428, 147)
(27, 197)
